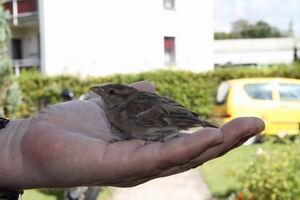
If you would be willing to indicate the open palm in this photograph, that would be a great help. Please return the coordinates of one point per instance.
(68, 144)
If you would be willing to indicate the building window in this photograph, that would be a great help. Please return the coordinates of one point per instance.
(169, 44)
(169, 4)
(17, 49)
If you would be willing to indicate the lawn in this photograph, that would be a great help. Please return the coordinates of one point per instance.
(57, 194)
(221, 173)
(43, 195)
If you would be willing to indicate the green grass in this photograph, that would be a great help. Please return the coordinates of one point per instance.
(221, 174)
(105, 194)
(58, 194)
(43, 195)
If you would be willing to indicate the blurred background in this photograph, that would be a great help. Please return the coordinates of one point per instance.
(221, 58)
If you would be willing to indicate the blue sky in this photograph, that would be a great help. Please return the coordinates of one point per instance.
(278, 13)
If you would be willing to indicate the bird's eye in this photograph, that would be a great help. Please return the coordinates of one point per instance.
(111, 92)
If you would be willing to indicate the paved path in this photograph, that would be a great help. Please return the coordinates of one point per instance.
(184, 186)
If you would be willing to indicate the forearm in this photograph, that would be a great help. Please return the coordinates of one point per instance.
(12, 166)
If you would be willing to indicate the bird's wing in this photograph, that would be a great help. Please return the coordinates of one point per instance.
(145, 112)
(152, 110)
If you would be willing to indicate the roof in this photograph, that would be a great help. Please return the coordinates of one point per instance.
(254, 45)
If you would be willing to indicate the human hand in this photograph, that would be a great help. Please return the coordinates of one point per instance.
(68, 144)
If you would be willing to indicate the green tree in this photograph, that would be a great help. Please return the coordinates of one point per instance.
(221, 35)
(10, 95)
(239, 28)
(244, 29)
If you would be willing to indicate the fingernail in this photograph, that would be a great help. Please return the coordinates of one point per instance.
(260, 124)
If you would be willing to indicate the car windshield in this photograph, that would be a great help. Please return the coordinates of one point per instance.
(289, 92)
(259, 91)
(222, 93)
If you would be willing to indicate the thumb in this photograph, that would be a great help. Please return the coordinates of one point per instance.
(143, 86)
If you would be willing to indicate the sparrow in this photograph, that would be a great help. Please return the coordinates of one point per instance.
(145, 115)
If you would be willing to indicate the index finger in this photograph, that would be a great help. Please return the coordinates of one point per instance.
(235, 133)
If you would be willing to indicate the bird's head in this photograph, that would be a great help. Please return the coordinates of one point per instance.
(113, 94)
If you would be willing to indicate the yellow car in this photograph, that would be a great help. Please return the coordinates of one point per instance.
(275, 100)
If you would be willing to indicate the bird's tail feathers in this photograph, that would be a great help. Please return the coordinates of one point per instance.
(205, 123)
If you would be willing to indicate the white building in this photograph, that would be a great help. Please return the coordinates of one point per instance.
(100, 37)
(255, 51)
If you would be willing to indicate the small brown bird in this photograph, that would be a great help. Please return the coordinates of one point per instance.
(145, 115)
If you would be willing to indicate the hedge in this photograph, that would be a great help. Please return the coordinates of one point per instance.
(194, 90)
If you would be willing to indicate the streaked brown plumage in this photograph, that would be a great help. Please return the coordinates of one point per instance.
(145, 115)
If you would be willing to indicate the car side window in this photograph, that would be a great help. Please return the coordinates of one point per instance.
(289, 92)
(259, 91)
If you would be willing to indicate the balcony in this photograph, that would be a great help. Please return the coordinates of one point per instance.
(24, 63)
(23, 12)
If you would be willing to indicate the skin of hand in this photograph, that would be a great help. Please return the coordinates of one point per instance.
(67, 145)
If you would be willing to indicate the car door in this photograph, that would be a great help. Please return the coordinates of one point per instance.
(263, 103)
(288, 111)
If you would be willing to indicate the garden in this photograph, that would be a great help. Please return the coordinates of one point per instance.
(270, 170)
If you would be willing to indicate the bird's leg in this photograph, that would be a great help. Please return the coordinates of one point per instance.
(148, 142)
(117, 135)
(114, 140)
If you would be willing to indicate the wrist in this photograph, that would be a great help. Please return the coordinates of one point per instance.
(11, 168)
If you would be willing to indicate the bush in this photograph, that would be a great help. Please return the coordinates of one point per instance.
(194, 90)
(10, 95)
(273, 174)
(191, 89)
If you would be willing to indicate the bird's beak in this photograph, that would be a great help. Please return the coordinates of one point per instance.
(98, 90)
